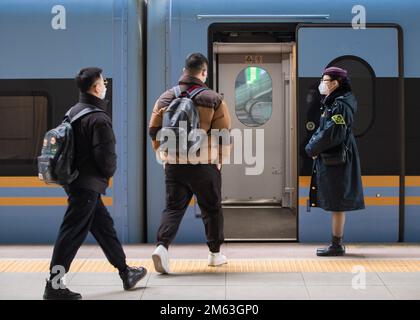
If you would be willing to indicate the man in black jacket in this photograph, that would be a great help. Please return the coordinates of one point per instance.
(95, 160)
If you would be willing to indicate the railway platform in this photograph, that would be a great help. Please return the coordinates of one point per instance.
(266, 271)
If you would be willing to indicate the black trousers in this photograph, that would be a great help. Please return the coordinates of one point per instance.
(182, 182)
(86, 212)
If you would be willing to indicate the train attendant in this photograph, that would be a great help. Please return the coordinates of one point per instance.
(185, 179)
(95, 159)
(336, 183)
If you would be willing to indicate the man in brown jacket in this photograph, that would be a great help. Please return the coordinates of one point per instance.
(185, 180)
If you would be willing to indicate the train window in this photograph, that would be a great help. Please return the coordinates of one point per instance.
(253, 96)
(23, 123)
(362, 79)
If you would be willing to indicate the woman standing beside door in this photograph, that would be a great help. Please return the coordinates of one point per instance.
(336, 184)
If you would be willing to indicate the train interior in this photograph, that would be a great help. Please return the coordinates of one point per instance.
(259, 206)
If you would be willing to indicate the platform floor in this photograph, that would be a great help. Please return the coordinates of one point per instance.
(272, 271)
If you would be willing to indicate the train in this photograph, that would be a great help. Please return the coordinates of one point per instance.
(276, 49)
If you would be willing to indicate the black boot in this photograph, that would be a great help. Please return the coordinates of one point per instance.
(130, 276)
(59, 294)
(335, 248)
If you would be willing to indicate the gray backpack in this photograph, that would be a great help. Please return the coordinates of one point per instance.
(55, 164)
(182, 109)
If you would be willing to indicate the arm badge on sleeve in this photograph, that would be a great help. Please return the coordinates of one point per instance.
(338, 119)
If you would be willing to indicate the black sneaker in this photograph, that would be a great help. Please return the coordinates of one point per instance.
(131, 276)
(59, 294)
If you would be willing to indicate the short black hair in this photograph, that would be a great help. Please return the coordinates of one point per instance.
(343, 83)
(196, 62)
(87, 77)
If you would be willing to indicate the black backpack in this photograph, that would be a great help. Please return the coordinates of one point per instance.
(55, 164)
(182, 108)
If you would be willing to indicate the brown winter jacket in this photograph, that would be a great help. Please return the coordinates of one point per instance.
(213, 113)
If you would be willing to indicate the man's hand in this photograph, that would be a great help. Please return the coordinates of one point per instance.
(314, 157)
(219, 166)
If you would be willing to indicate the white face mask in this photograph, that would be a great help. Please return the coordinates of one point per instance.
(323, 89)
(103, 93)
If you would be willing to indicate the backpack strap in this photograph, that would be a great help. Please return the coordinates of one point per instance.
(177, 90)
(85, 112)
(196, 91)
(191, 94)
(81, 113)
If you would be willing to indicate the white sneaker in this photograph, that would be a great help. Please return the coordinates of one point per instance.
(160, 259)
(216, 259)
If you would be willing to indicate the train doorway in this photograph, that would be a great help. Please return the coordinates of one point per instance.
(259, 196)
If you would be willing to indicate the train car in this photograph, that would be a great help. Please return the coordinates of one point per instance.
(277, 50)
(266, 59)
(44, 44)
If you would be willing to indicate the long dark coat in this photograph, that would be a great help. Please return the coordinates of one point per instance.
(336, 188)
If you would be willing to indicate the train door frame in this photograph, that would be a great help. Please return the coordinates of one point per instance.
(290, 30)
(286, 32)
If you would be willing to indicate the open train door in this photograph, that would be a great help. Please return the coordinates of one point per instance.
(373, 58)
(257, 81)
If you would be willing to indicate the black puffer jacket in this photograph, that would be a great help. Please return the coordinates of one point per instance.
(336, 188)
(95, 156)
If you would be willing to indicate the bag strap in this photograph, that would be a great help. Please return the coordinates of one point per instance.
(85, 112)
(81, 113)
(190, 94)
(177, 90)
(196, 91)
(348, 128)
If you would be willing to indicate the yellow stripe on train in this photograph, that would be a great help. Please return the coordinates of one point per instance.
(304, 181)
(374, 181)
(28, 182)
(378, 201)
(50, 201)
(42, 201)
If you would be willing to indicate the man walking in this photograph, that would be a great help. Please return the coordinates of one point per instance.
(95, 159)
(183, 180)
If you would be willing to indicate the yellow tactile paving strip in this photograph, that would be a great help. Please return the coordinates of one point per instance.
(234, 265)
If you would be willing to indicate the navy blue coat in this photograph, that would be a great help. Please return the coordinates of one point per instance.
(339, 187)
